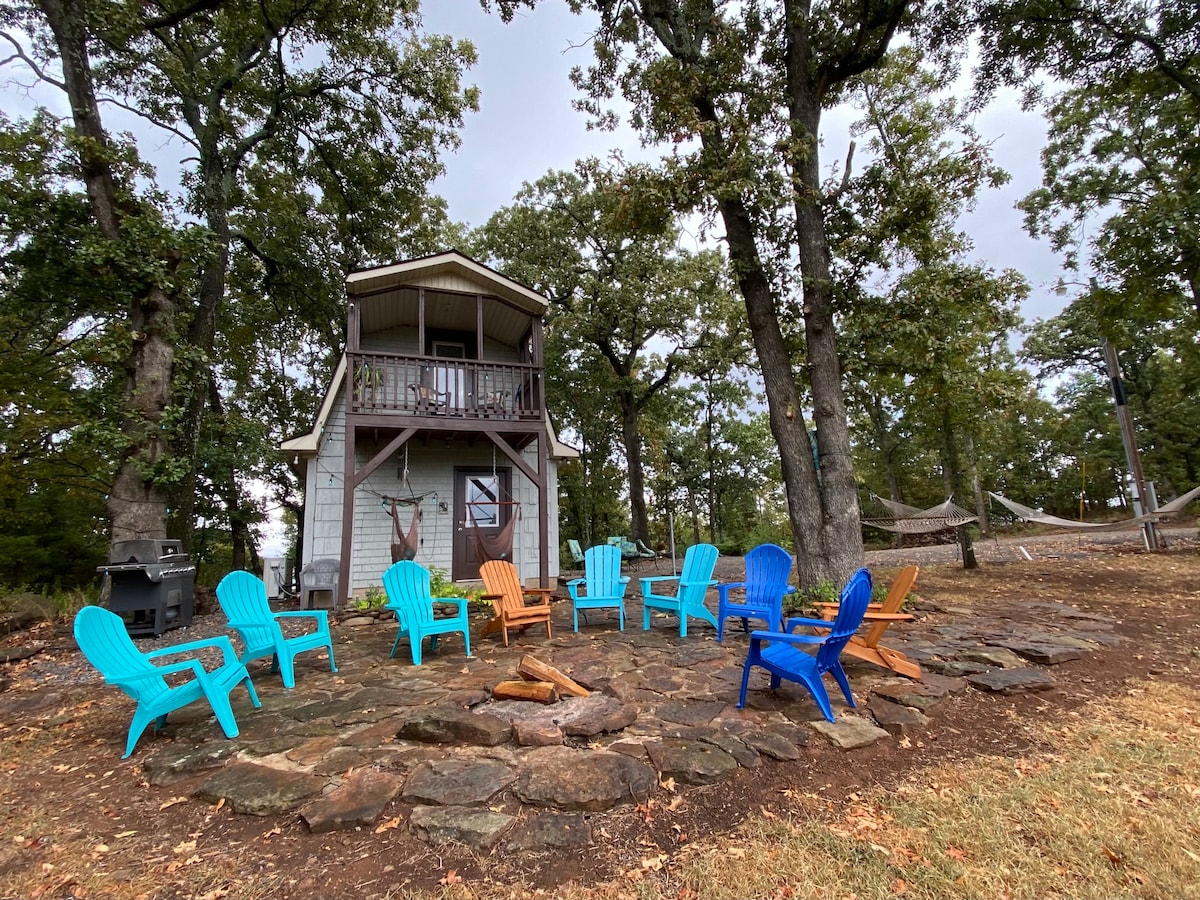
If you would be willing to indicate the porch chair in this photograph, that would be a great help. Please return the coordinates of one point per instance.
(768, 568)
(410, 598)
(881, 615)
(318, 576)
(692, 583)
(243, 598)
(779, 652)
(503, 586)
(603, 582)
(105, 641)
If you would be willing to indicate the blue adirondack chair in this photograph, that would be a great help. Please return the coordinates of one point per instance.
(105, 641)
(779, 652)
(693, 582)
(603, 581)
(243, 597)
(409, 597)
(768, 567)
(576, 551)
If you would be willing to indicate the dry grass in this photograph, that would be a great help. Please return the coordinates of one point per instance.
(1114, 811)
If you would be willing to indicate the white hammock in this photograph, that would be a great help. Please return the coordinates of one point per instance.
(907, 519)
(1029, 514)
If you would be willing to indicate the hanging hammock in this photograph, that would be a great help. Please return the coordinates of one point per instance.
(404, 546)
(1029, 514)
(905, 519)
(497, 545)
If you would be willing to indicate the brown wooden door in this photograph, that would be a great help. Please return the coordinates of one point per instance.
(483, 497)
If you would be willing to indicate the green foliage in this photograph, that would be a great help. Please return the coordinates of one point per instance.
(374, 598)
(440, 585)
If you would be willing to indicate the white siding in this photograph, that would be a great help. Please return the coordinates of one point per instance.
(430, 473)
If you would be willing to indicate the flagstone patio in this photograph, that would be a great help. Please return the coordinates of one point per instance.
(427, 746)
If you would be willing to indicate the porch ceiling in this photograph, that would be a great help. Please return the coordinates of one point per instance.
(449, 311)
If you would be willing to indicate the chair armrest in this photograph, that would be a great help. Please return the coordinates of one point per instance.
(780, 637)
(871, 616)
(650, 578)
(321, 615)
(491, 596)
(576, 582)
(538, 590)
(221, 642)
(724, 589)
(624, 579)
(187, 665)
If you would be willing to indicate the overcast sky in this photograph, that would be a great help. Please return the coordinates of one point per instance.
(526, 127)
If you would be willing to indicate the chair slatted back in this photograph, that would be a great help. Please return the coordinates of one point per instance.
(892, 603)
(105, 641)
(243, 598)
(602, 571)
(852, 605)
(500, 577)
(698, 564)
(768, 568)
(407, 586)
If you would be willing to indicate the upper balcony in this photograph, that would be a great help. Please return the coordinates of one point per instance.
(443, 338)
(444, 387)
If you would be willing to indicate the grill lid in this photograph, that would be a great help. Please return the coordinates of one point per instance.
(145, 552)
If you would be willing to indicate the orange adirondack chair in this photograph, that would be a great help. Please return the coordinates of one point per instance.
(504, 589)
(879, 616)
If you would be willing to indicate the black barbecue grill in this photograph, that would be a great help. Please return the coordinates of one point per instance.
(152, 585)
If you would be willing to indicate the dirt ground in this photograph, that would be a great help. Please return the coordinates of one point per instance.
(76, 820)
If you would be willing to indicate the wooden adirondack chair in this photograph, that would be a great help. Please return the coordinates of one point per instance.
(693, 583)
(243, 598)
(105, 641)
(503, 586)
(879, 616)
(768, 568)
(779, 652)
(603, 581)
(409, 597)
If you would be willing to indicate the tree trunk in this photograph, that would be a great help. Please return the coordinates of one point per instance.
(985, 527)
(639, 521)
(136, 505)
(202, 335)
(952, 472)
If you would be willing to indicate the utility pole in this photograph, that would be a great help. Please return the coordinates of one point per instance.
(1132, 459)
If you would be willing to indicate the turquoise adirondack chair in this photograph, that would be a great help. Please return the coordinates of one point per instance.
(243, 597)
(603, 582)
(693, 583)
(768, 568)
(576, 551)
(780, 654)
(409, 597)
(105, 641)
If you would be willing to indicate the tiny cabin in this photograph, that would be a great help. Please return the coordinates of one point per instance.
(433, 441)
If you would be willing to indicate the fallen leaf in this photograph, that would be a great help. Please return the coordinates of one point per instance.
(388, 825)
(174, 801)
(125, 834)
(667, 785)
(451, 877)
(185, 847)
(274, 831)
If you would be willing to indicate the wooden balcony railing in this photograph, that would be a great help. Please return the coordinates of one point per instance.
(435, 386)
